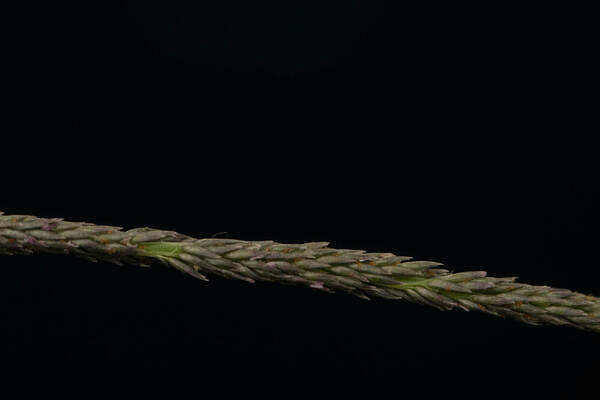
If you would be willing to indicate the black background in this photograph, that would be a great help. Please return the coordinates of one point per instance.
(452, 133)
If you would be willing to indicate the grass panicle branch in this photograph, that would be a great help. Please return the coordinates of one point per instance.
(315, 265)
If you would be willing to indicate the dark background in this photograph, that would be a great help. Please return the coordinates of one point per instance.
(452, 133)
